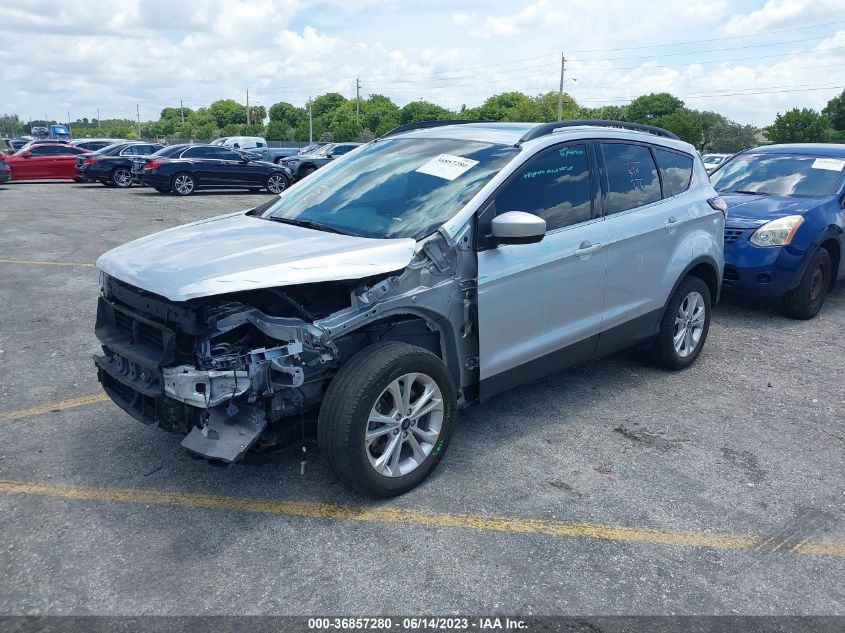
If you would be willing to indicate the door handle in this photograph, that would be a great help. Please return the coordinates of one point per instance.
(672, 222)
(586, 248)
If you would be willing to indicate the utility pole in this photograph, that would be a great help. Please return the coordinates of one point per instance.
(182, 110)
(247, 106)
(138, 114)
(560, 93)
(358, 100)
(310, 122)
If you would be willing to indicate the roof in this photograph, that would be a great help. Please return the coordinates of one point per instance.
(815, 149)
(506, 133)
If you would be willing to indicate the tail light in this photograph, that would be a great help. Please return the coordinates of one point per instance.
(152, 164)
(90, 161)
(719, 204)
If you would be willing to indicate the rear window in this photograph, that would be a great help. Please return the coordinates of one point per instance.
(631, 177)
(676, 170)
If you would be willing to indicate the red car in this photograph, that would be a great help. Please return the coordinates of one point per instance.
(48, 161)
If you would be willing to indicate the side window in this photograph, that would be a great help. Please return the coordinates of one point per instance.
(41, 150)
(129, 151)
(555, 185)
(224, 154)
(197, 152)
(676, 170)
(259, 144)
(632, 179)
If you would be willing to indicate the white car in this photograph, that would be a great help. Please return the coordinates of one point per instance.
(713, 161)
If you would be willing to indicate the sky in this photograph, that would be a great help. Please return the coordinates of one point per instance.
(747, 59)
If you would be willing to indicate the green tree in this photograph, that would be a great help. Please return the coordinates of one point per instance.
(648, 107)
(288, 114)
(379, 114)
(605, 113)
(327, 103)
(507, 106)
(683, 123)
(279, 131)
(835, 111)
(799, 126)
(729, 137)
(227, 111)
(416, 111)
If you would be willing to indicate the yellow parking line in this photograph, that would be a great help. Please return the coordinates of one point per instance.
(41, 263)
(387, 514)
(54, 406)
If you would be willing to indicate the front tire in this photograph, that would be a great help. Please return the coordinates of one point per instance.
(276, 183)
(387, 417)
(808, 298)
(121, 178)
(684, 326)
(183, 184)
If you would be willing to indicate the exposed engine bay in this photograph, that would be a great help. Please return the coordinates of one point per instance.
(248, 369)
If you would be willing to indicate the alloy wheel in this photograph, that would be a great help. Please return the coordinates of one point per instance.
(689, 324)
(122, 178)
(404, 425)
(276, 183)
(183, 184)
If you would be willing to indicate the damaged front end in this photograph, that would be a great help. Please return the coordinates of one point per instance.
(217, 371)
(248, 369)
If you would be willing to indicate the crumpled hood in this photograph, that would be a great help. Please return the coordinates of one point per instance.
(750, 210)
(238, 252)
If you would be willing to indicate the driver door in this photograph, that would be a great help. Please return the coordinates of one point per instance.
(540, 305)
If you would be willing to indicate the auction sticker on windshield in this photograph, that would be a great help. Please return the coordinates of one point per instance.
(833, 164)
(447, 166)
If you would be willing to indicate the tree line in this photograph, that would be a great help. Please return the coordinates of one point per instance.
(336, 118)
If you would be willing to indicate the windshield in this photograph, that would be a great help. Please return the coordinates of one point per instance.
(323, 150)
(711, 159)
(394, 188)
(109, 148)
(779, 175)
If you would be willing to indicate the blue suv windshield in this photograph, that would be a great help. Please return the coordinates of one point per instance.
(394, 187)
(780, 175)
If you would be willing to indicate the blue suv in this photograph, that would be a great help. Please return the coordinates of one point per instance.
(784, 232)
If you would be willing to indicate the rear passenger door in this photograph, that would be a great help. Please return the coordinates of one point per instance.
(540, 305)
(645, 226)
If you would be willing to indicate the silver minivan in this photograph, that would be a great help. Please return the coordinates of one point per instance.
(428, 270)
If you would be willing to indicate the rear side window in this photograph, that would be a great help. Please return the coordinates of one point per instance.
(632, 179)
(554, 184)
(199, 152)
(676, 170)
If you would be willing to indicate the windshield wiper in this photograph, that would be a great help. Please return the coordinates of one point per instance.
(309, 224)
(753, 193)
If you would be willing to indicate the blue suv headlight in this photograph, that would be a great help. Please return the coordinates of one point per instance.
(777, 232)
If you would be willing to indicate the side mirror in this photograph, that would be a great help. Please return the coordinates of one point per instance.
(518, 227)
(27, 154)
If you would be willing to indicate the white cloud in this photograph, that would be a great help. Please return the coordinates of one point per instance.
(70, 56)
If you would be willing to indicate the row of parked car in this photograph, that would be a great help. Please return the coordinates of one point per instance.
(446, 263)
(179, 169)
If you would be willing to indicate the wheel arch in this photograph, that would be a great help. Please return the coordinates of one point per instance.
(705, 268)
(831, 243)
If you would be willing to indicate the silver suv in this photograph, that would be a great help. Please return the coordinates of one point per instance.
(433, 268)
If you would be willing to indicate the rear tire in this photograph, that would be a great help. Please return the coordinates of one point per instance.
(684, 326)
(183, 184)
(121, 178)
(380, 386)
(276, 183)
(808, 298)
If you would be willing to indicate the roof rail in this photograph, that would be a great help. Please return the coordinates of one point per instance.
(419, 125)
(547, 128)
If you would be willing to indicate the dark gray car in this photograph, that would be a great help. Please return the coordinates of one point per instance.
(303, 164)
